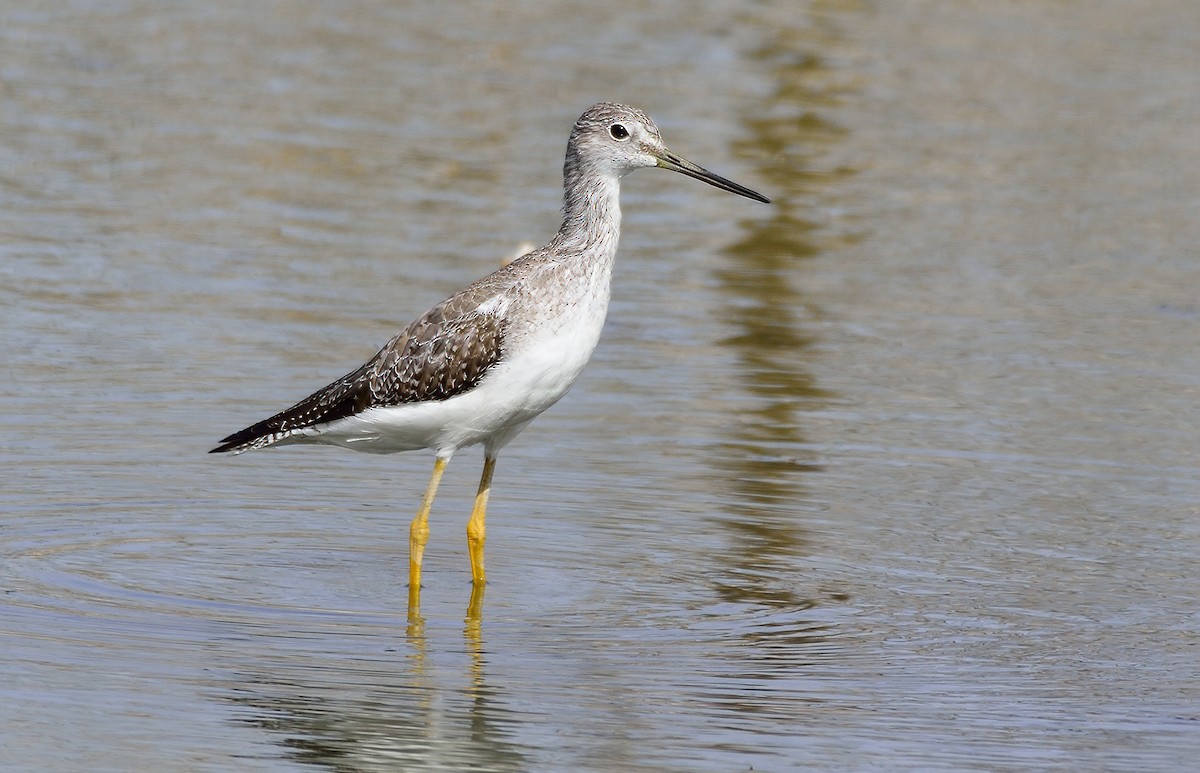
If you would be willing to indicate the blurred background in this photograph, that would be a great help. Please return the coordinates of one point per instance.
(897, 473)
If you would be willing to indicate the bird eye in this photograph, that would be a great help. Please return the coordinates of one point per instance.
(618, 132)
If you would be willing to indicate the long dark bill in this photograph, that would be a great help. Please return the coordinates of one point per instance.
(669, 160)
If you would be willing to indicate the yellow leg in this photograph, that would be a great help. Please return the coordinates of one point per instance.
(418, 533)
(476, 528)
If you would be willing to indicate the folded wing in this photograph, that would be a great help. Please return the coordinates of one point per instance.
(443, 354)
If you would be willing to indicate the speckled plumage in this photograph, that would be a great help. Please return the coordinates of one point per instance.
(554, 297)
(444, 353)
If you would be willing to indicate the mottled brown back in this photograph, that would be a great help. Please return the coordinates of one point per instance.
(444, 353)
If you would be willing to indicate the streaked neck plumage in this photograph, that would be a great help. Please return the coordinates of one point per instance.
(591, 208)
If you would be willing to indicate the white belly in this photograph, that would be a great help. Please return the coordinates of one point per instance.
(513, 392)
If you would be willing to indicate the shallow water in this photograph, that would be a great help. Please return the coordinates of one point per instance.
(898, 473)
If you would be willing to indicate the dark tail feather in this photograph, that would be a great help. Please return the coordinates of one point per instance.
(342, 398)
(243, 441)
(259, 435)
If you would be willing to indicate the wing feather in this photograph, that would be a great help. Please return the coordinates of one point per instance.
(444, 353)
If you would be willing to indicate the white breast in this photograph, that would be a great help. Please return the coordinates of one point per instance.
(533, 375)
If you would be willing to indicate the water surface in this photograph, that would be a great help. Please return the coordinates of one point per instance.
(898, 473)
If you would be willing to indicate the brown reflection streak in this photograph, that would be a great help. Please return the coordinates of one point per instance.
(761, 458)
(473, 636)
(377, 713)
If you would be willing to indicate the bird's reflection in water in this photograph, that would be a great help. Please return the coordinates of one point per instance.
(416, 623)
(474, 619)
(473, 634)
(340, 700)
(472, 630)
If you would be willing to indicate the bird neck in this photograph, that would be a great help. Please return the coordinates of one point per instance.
(591, 213)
